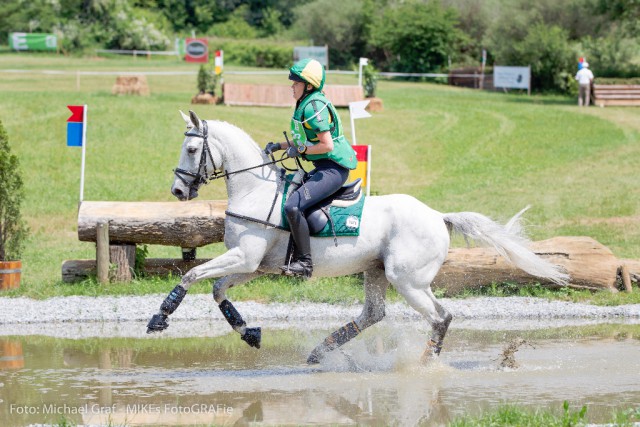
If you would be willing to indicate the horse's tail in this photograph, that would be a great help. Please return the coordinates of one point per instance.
(508, 240)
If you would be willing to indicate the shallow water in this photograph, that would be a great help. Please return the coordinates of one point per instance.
(377, 380)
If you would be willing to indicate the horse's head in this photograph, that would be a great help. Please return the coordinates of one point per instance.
(199, 161)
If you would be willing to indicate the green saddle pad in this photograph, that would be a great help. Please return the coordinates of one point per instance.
(345, 220)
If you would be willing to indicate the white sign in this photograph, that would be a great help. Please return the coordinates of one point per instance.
(512, 77)
(319, 53)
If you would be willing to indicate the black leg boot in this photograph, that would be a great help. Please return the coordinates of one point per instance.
(301, 264)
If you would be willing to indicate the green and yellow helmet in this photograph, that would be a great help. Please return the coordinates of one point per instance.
(308, 71)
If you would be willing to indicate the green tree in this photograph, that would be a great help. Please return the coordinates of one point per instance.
(339, 24)
(418, 37)
(13, 230)
(32, 16)
(545, 48)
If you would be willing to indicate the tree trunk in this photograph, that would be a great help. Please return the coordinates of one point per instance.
(590, 264)
(184, 224)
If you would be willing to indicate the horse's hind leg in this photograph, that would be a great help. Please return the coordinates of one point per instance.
(425, 303)
(434, 346)
(375, 288)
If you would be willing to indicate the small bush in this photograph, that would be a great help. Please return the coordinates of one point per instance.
(252, 54)
(13, 230)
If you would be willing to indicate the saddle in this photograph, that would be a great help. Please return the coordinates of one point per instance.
(318, 215)
(337, 215)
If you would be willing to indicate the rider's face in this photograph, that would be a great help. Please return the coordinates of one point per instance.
(298, 90)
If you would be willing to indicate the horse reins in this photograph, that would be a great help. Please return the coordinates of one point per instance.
(202, 178)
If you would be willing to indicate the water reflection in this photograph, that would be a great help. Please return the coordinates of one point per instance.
(219, 380)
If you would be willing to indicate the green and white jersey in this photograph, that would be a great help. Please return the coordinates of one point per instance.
(315, 114)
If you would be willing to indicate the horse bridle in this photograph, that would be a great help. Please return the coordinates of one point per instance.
(202, 177)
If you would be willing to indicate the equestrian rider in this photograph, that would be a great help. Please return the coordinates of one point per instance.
(317, 135)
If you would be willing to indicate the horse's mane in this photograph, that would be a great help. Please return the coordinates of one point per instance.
(230, 133)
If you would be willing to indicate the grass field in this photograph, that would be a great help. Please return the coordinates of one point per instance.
(454, 149)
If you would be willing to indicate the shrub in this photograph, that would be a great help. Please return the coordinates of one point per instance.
(13, 230)
(613, 55)
(207, 79)
(545, 48)
(252, 53)
(369, 80)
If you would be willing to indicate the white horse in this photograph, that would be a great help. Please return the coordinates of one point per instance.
(402, 241)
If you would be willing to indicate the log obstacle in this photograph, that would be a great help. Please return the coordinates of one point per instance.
(617, 95)
(196, 223)
(280, 95)
(117, 227)
(189, 224)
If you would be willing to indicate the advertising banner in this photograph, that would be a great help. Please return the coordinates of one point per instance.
(319, 53)
(512, 77)
(197, 50)
(33, 41)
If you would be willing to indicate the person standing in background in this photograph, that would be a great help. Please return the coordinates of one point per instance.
(584, 76)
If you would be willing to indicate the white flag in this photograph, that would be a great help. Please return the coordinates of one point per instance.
(357, 109)
(364, 61)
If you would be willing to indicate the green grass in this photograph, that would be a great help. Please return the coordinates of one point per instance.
(539, 291)
(455, 149)
(517, 416)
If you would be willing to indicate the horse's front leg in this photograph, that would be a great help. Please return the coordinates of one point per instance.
(234, 261)
(251, 336)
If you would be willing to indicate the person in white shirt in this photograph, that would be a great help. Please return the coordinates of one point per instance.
(584, 78)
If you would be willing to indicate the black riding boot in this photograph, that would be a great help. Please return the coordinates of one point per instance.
(301, 264)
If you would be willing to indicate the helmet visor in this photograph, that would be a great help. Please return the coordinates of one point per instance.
(296, 78)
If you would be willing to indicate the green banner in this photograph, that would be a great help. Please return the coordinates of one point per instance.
(33, 41)
(181, 47)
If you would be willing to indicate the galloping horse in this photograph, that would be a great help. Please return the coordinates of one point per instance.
(402, 241)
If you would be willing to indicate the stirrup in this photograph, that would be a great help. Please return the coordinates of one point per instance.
(302, 267)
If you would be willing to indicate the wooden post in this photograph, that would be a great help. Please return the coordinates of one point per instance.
(124, 258)
(102, 252)
(626, 278)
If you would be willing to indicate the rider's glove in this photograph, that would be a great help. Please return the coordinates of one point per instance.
(272, 147)
(293, 151)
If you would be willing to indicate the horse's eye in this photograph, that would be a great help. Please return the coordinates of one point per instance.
(192, 150)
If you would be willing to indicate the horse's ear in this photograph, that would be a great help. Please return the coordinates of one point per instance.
(194, 119)
(186, 119)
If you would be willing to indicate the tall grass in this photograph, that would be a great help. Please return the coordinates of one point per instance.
(454, 149)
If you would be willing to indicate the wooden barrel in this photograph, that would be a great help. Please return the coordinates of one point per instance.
(10, 274)
(11, 356)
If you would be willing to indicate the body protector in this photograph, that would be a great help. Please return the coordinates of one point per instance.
(315, 114)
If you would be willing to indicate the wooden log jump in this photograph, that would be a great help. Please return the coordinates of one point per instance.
(197, 223)
(280, 95)
(189, 224)
(619, 95)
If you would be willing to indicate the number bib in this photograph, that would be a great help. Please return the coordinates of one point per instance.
(297, 133)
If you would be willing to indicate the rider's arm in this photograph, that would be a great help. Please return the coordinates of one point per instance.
(324, 145)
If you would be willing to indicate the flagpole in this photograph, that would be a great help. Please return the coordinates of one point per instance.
(353, 127)
(84, 150)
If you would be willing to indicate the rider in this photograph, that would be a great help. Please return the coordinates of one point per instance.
(318, 137)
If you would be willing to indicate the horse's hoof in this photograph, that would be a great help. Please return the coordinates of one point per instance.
(314, 358)
(252, 336)
(158, 323)
(431, 353)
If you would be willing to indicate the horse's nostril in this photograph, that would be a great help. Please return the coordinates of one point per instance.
(177, 192)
